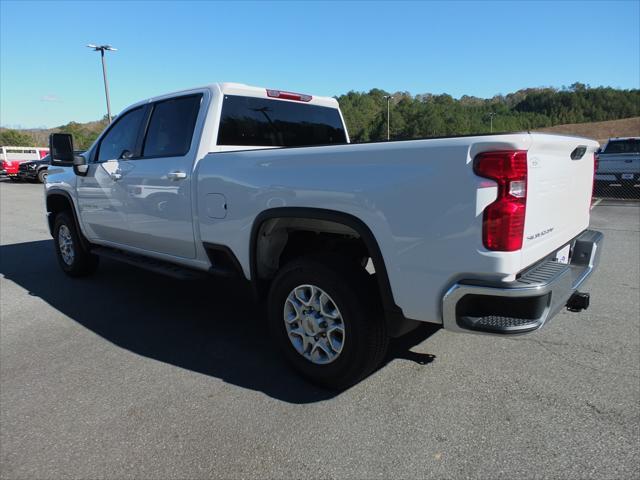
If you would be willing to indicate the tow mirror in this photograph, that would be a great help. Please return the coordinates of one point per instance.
(61, 149)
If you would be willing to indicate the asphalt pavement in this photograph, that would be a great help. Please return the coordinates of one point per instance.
(127, 374)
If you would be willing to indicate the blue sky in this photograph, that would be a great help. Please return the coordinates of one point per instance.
(48, 77)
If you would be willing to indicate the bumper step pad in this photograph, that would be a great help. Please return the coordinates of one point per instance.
(499, 324)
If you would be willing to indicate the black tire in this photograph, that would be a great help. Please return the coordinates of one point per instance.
(42, 175)
(350, 288)
(82, 263)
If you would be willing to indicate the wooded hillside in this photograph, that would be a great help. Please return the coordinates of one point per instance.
(439, 115)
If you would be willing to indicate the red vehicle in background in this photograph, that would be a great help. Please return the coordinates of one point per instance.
(12, 157)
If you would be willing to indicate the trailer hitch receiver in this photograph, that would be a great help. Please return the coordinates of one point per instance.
(578, 301)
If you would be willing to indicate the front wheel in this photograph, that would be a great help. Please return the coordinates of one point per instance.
(327, 320)
(42, 176)
(73, 258)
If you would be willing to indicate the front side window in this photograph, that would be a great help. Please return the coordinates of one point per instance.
(251, 121)
(122, 136)
(171, 127)
(20, 150)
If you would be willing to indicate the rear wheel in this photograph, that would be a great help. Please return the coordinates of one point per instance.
(42, 176)
(73, 258)
(327, 320)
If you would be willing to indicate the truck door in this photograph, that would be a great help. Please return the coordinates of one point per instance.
(101, 196)
(158, 182)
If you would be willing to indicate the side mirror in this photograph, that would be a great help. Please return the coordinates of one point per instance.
(61, 149)
(80, 166)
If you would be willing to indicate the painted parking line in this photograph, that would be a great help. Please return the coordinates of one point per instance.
(596, 203)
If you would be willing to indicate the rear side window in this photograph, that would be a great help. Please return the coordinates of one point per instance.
(250, 121)
(631, 145)
(122, 136)
(171, 127)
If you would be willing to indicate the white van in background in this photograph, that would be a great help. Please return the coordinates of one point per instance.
(12, 157)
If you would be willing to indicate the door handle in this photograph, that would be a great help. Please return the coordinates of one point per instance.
(177, 175)
(115, 176)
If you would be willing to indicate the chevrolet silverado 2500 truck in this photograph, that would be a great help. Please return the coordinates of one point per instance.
(349, 244)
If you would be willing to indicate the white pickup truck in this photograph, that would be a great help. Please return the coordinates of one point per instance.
(349, 244)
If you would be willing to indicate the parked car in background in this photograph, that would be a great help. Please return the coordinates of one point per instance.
(34, 169)
(12, 157)
(619, 163)
(37, 169)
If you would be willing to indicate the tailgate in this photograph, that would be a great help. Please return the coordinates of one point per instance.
(618, 163)
(559, 192)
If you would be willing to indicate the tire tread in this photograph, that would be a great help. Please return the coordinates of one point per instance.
(85, 263)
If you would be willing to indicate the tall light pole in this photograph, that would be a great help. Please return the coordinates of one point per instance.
(491, 115)
(388, 97)
(102, 49)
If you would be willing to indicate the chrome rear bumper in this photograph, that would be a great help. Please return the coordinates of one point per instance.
(527, 303)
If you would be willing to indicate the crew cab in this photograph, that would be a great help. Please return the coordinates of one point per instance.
(349, 244)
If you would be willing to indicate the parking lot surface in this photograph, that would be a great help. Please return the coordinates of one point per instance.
(128, 374)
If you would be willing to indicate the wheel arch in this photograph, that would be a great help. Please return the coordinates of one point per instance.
(60, 201)
(396, 322)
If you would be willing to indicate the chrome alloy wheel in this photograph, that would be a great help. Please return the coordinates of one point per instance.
(65, 243)
(314, 324)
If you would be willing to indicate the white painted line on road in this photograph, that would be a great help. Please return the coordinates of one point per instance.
(596, 203)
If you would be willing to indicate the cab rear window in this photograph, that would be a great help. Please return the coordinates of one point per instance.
(630, 145)
(249, 121)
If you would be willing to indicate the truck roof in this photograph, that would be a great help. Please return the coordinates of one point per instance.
(231, 88)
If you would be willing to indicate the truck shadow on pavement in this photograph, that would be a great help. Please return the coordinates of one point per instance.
(210, 327)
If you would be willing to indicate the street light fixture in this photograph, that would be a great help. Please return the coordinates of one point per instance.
(388, 97)
(491, 115)
(102, 49)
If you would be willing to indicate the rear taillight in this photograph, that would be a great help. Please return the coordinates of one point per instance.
(300, 97)
(596, 162)
(503, 221)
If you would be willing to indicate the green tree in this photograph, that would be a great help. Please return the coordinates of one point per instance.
(428, 115)
(15, 138)
(84, 134)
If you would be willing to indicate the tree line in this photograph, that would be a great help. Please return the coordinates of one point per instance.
(428, 115)
(83, 135)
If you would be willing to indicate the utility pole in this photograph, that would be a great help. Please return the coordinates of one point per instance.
(491, 115)
(102, 49)
(388, 97)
